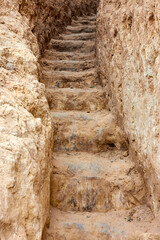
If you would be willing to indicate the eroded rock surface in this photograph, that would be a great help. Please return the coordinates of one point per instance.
(128, 44)
(134, 224)
(89, 187)
(25, 124)
(25, 130)
(95, 182)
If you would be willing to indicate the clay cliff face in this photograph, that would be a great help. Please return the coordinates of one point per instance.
(128, 44)
(25, 124)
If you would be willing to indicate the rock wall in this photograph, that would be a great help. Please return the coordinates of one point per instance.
(25, 125)
(128, 43)
(25, 130)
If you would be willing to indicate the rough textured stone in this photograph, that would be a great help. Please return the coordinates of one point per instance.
(87, 182)
(67, 79)
(25, 130)
(25, 125)
(76, 99)
(82, 180)
(134, 224)
(53, 15)
(128, 44)
(82, 131)
(128, 69)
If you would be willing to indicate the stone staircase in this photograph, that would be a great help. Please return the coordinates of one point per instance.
(96, 190)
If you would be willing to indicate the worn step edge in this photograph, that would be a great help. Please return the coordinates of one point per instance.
(135, 224)
(83, 23)
(86, 131)
(93, 99)
(67, 65)
(79, 29)
(69, 76)
(63, 79)
(80, 36)
(96, 182)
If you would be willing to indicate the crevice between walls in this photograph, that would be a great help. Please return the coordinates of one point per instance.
(49, 18)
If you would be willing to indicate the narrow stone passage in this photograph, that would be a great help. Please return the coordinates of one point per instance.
(92, 177)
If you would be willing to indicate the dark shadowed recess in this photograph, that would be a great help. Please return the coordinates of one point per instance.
(49, 17)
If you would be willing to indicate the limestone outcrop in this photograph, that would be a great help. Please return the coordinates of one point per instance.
(128, 44)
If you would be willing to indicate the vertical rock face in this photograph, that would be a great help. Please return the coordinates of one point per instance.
(128, 44)
(25, 124)
(25, 129)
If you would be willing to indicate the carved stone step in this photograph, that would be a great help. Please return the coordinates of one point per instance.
(87, 18)
(55, 55)
(78, 36)
(83, 28)
(72, 45)
(65, 79)
(92, 99)
(67, 65)
(95, 182)
(82, 131)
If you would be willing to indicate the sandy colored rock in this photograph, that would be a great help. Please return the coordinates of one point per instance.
(135, 224)
(82, 131)
(83, 181)
(64, 65)
(55, 55)
(25, 130)
(86, 185)
(105, 195)
(25, 124)
(66, 79)
(95, 182)
(53, 16)
(92, 99)
(128, 44)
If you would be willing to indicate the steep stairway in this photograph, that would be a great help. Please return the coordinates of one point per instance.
(96, 190)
